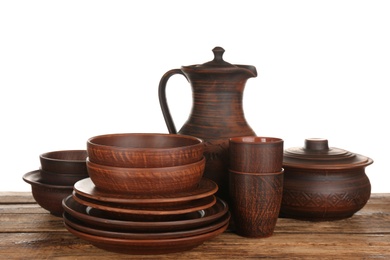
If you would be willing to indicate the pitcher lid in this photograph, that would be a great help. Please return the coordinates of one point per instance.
(219, 64)
(316, 153)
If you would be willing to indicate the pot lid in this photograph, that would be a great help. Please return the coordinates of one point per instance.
(316, 153)
(219, 65)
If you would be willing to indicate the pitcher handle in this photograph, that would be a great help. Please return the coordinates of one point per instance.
(163, 99)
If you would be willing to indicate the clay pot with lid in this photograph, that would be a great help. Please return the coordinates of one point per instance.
(323, 183)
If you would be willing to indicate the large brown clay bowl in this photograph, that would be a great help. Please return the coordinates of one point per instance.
(47, 196)
(144, 150)
(162, 180)
(66, 161)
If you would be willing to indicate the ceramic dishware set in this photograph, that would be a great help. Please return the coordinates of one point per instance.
(145, 194)
(148, 193)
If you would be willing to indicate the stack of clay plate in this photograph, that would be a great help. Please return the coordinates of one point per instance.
(145, 194)
(145, 224)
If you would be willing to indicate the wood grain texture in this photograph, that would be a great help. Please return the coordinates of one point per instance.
(30, 232)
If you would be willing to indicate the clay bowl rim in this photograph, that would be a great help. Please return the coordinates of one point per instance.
(35, 178)
(77, 166)
(256, 140)
(257, 173)
(148, 149)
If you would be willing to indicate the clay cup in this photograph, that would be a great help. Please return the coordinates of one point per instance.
(255, 202)
(255, 154)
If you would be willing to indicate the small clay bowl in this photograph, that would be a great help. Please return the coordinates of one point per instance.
(66, 161)
(47, 196)
(144, 150)
(151, 181)
(64, 179)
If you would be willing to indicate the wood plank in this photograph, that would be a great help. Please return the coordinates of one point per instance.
(14, 222)
(226, 246)
(30, 232)
(16, 198)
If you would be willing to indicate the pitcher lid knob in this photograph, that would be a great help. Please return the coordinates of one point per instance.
(218, 53)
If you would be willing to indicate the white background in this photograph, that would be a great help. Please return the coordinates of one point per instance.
(70, 70)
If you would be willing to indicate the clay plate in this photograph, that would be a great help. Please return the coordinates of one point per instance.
(89, 229)
(100, 219)
(169, 209)
(87, 188)
(147, 246)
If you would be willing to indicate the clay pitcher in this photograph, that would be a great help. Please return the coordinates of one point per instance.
(217, 111)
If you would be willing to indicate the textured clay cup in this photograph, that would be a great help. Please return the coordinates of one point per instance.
(255, 154)
(255, 202)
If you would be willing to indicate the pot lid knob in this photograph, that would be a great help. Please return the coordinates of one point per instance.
(316, 144)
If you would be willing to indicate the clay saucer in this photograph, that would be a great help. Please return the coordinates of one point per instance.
(187, 221)
(147, 246)
(139, 213)
(90, 229)
(87, 188)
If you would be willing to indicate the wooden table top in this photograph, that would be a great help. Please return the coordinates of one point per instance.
(30, 232)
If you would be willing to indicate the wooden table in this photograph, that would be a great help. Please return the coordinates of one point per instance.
(29, 232)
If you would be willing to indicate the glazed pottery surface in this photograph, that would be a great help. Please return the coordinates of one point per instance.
(323, 183)
(255, 202)
(255, 154)
(217, 111)
(144, 150)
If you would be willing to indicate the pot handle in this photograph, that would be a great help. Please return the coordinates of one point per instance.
(163, 99)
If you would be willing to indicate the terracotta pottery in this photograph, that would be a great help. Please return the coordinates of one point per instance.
(87, 189)
(322, 183)
(64, 179)
(217, 111)
(99, 218)
(144, 150)
(255, 202)
(162, 180)
(256, 154)
(91, 229)
(147, 246)
(64, 162)
(48, 196)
